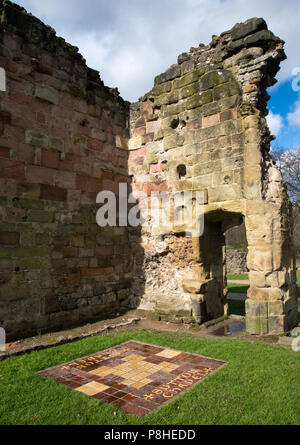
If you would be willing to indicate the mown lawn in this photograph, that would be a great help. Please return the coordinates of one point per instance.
(245, 276)
(241, 276)
(259, 385)
(242, 289)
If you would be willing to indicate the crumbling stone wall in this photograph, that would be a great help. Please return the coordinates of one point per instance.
(236, 261)
(202, 127)
(64, 137)
(58, 131)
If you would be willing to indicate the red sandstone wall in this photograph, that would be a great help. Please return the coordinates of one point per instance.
(58, 125)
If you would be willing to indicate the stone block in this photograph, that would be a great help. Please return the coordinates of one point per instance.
(202, 181)
(50, 159)
(184, 57)
(121, 143)
(13, 291)
(135, 143)
(173, 141)
(47, 94)
(173, 72)
(257, 325)
(39, 216)
(29, 264)
(27, 252)
(259, 231)
(198, 100)
(187, 79)
(252, 182)
(161, 88)
(241, 30)
(34, 138)
(56, 143)
(209, 121)
(189, 90)
(226, 90)
(258, 294)
(194, 286)
(256, 308)
(265, 294)
(51, 305)
(252, 154)
(213, 79)
(251, 121)
(261, 37)
(170, 110)
(9, 238)
(272, 280)
(257, 279)
(252, 137)
(275, 308)
(224, 193)
(277, 325)
(53, 193)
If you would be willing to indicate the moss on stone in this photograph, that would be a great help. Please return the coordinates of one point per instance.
(199, 100)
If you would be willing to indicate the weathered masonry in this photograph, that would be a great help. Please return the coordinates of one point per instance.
(64, 137)
(59, 126)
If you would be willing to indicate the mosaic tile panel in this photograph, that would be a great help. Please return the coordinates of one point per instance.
(134, 376)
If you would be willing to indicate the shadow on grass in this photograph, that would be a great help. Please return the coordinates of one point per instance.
(236, 307)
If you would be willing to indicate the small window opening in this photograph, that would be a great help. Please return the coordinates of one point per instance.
(181, 171)
(84, 123)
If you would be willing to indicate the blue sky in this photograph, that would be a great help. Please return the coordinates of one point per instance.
(284, 116)
(131, 41)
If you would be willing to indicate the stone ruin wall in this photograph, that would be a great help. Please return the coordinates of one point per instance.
(64, 137)
(205, 116)
(59, 124)
(236, 262)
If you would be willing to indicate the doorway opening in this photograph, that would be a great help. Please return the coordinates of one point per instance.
(212, 302)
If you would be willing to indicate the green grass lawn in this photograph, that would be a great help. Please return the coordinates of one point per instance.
(259, 385)
(242, 289)
(244, 276)
(241, 276)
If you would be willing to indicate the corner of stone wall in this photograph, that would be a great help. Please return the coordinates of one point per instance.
(213, 104)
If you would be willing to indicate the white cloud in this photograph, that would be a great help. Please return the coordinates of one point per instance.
(275, 123)
(294, 116)
(130, 42)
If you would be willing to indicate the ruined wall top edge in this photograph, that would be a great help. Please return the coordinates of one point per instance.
(14, 19)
